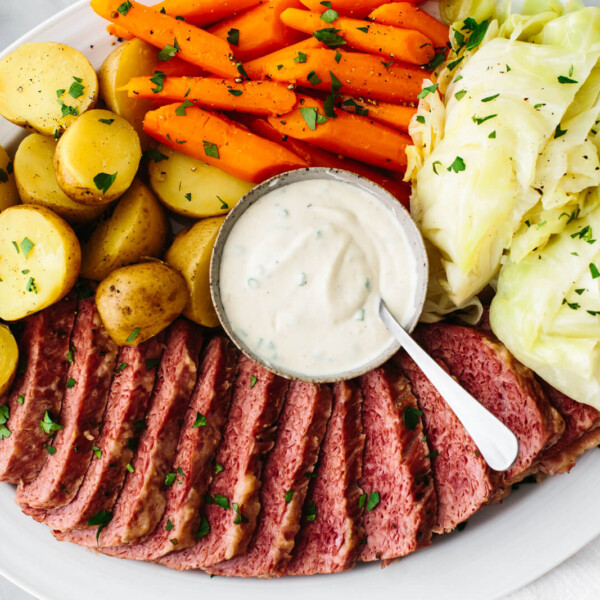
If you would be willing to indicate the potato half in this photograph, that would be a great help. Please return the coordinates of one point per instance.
(36, 181)
(97, 158)
(138, 301)
(192, 188)
(39, 260)
(9, 359)
(137, 228)
(8, 189)
(190, 254)
(44, 86)
(134, 58)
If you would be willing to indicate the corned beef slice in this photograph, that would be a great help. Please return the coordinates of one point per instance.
(400, 503)
(485, 368)
(44, 347)
(197, 445)
(84, 402)
(257, 399)
(330, 542)
(300, 430)
(581, 423)
(462, 479)
(127, 403)
(142, 502)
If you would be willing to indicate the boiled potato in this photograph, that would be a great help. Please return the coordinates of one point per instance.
(8, 189)
(9, 358)
(192, 188)
(44, 86)
(134, 58)
(190, 254)
(39, 260)
(97, 158)
(138, 301)
(36, 181)
(137, 228)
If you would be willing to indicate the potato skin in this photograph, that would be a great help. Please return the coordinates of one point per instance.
(138, 301)
(192, 188)
(134, 58)
(36, 181)
(35, 276)
(190, 254)
(8, 189)
(9, 359)
(137, 228)
(99, 142)
(32, 75)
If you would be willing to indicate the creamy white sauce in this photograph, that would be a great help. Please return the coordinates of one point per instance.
(303, 270)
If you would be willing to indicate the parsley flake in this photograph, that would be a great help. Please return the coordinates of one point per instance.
(133, 335)
(48, 425)
(288, 496)
(329, 37)
(26, 246)
(427, 90)
(103, 181)
(373, 501)
(233, 37)
(301, 58)
(125, 8)
(211, 149)
(101, 519)
(159, 79)
(200, 420)
(457, 165)
(410, 416)
(168, 52)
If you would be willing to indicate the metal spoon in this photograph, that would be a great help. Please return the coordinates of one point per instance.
(496, 442)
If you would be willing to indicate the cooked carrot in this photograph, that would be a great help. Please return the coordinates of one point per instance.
(173, 37)
(408, 16)
(391, 42)
(119, 32)
(349, 135)
(316, 157)
(220, 142)
(204, 12)
(255, 97)
(394, 115)
(351, 8)
(179, 68)
(259, 30)
(362, 75)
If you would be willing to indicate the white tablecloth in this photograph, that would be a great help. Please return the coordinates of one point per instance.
(576, 579)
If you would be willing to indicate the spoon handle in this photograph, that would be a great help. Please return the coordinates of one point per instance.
(496, 442)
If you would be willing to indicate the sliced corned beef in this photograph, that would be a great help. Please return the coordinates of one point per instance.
(330, 543)
(581, 421)
(399, 497)
(463, 481)
(285, 478)
(142, 501)
(485, 368)
(257, 399)
(130, 391)
(38, 388)
(200, 436)
(88, 381)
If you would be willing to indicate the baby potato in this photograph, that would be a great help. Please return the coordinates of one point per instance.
(9, 358)
(97, 158)
(138, 301)
(44, 86)
(190, 254)
(192, 188)
(134, 58)
(36, 181)
(39, 260)
(8, 189)
(137, 228)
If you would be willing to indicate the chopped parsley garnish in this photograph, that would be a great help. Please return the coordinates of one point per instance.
(188, 196)
(200, 420)
(480, 120)
(97, 451)
(580, 291)
(420, 119)
(594, 271)
(31, 286)
(50, 449)
(478, 31)
(59, 93)
(240, 69)
(103, 181)
(457, 165)
(48, 425)
(235, 93)
(313, 78)
(168, 52)
(21, 399)
(310, 514)
(155, 154)
(436, 61)
(120, 368)
(106, 121)
(240, 517)
(388, 64)
(329, 37)
(129, 467)
(204, 528)
(362, 500)
(66, 110)
(26, 246)
(460, 94)
(253, 381)
(101, 519)
(211, 149)
(358, 109)
(584, 234)
(70, 383)
(432, 454)
(336, 84)
(224, 205)
(180, 471)
(125, 8)
(452, 65)
(490, 98)
(4, 416)
(410, 416)
(169, 525)
(373, 501)
(288, 496)
(159, 79)
(558, 132)
(330, 15)
(434, 166)
(76, 89)
(221, 501)
(492, 135)
(427, 90)
(301, 58)
(133, 335)
(363, 29)
(338, 56)
(219, 468)
(329, 106)
(571, 305)
(181, 110)
(170, 479)
(563, 79)
(233, 37)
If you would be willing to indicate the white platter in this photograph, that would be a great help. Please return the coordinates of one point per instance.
(502, 549)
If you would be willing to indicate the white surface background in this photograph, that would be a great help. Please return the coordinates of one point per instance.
(576, 579)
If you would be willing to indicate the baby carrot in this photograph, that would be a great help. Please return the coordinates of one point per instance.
(204, 12)
(351, 8)
(394, 115)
